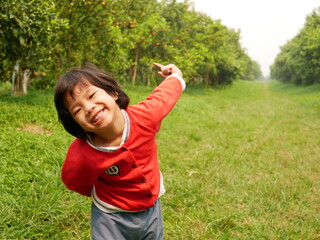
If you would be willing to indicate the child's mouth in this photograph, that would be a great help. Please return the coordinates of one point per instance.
(97, 116)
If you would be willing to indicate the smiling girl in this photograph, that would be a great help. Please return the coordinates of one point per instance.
(114, 158)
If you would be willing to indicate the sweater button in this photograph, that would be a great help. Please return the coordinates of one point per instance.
(149, 195)
(123, 149)
(134, 166)
(143, 180)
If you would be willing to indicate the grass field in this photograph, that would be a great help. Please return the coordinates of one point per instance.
(238, 163)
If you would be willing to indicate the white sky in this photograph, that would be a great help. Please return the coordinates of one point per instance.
(265, 25)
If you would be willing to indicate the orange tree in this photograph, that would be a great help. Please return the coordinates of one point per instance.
(27, 28)
(298, 62)
(111, 34)
(140, 24)
(84, 19)
(208, 51)
(251, 70)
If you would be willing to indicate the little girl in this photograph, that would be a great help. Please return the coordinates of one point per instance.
(114, 158)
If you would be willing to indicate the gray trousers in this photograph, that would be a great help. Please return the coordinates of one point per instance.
(144, 225)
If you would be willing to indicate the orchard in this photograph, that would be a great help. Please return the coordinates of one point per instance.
(123, 37)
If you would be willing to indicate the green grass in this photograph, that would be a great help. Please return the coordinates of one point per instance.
(238, 163)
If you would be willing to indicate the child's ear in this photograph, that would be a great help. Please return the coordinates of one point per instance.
(115, 96)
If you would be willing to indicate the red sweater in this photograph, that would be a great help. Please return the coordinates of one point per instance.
(128, 178)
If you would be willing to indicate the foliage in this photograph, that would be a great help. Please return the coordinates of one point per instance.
(252, 70)
(298, 62)
(239, 163)
(27, 30)
(123, 37)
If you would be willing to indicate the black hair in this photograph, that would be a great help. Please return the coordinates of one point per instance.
(66, 85)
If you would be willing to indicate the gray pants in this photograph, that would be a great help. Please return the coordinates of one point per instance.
(144, 225)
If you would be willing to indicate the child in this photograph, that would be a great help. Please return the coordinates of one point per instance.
(114, 158)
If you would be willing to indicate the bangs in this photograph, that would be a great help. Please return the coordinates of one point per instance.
(73, 81)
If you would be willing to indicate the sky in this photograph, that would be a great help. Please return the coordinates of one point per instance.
(264, 25)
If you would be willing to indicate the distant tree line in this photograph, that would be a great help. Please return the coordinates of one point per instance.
(299, 59)
(39, 40)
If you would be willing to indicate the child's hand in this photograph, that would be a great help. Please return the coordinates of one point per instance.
(167, 70)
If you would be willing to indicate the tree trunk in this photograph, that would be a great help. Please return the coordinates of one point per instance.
(26, 73)
(208, 78)
(135, 69)
(149, 76)
(216, 82)
(20, 79)
(69, 43)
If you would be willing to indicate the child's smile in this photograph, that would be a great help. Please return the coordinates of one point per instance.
(98, 116)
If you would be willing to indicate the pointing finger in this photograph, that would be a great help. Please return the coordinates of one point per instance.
(158, 65)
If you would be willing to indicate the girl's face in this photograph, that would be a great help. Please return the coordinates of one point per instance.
(93, 108)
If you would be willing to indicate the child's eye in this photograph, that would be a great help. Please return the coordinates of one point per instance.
(91, 96)
(76, 111)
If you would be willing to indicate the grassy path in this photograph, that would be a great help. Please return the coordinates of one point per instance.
(238, 163)
(246, 166)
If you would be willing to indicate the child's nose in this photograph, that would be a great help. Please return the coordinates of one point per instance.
(89, 107)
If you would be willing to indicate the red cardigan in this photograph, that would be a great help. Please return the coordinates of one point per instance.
(128, 178)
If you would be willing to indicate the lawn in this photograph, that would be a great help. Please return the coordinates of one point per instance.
(238, 163)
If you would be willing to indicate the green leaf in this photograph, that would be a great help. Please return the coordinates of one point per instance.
(15, 32)
(22, 41)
